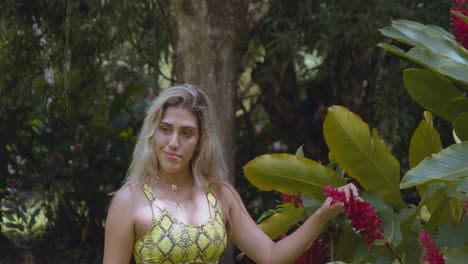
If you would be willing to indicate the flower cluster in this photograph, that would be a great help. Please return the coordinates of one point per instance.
(361, 215)
(431, 253)
(460, 28)
(295, 199)
(316, 253)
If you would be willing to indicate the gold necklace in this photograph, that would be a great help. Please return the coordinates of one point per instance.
(179, 206)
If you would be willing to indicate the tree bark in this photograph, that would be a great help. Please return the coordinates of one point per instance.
(209, 38)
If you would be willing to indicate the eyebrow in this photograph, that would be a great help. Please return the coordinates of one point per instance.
(183, 127)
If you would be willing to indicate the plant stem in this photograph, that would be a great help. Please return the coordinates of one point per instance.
(394, 254)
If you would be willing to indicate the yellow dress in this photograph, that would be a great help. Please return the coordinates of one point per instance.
(171, 241)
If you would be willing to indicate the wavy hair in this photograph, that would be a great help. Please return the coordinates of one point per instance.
(208, 161)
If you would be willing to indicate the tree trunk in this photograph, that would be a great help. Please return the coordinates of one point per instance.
(209, 38)
(27, 257)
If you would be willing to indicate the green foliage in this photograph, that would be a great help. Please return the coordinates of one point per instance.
(435, 94)
(349, 136)
(26, 217)
(440, 175)
(291, 174)
(435, 49)
(364, 157)
(74, 138)
(279, 221)
(447, 165)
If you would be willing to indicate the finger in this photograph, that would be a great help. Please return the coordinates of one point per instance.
(338, 206)
(354, 190)
(347, 193)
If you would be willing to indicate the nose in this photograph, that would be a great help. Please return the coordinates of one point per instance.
(174, 141)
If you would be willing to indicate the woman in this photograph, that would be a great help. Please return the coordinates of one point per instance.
(176, 205)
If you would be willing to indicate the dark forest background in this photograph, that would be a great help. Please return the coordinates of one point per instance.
(76, 78)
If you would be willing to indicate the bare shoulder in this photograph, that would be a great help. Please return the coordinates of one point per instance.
(125, 197)
(232, 197)
(228, 190)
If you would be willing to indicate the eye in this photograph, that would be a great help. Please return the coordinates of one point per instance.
(187, 133)
(164, 129)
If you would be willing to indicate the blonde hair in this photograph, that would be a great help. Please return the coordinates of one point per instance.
(208, 161)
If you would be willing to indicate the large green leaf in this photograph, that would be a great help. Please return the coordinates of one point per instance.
(364, 157)
(425, 141)
(449, 164)
(461, 126)
(435, 201)
(347, 244)
(280, 222)
(449, 209)
(433, 61)
(449, 235)
(460, 189)
(431, 37)
(291, 174)
(455, 255)
(433, 48)
(435, 93)
(407, 219)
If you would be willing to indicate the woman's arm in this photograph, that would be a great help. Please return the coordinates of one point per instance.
(119, 233)
(260, 248)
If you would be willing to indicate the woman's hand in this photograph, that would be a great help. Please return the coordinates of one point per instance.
(328, 211)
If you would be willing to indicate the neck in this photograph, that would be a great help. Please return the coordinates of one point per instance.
(178, 183)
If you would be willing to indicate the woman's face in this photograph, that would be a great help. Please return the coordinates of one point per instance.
(176, 140)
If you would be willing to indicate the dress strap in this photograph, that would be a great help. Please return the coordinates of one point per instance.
(152, 198)
(149, 193)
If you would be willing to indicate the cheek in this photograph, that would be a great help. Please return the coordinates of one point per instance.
(159, 139)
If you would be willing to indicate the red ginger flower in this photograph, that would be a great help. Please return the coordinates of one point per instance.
(361, 215)
(460, 28)
(295, 199)
(315, 254)
(431, 253)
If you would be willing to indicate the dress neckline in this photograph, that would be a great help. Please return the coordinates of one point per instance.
(164, 211)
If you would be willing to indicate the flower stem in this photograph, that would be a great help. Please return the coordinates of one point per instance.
(394, 254)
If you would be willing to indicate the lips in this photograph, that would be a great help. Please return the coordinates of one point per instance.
(171, 155)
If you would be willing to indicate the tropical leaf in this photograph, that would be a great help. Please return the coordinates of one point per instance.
(290, 174)
(455, 255)
(407, 219)
(431, 37)
(449, 164)
(425, 141)
(459, 189)
(453, 236)
(435, 93)
(437, 193)
(311, 205)
(449, 208)
(433, 47)
(461, 126)
(460, 15)
(279, 223)
(347, 244)
(435, 62)
(364, 157)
